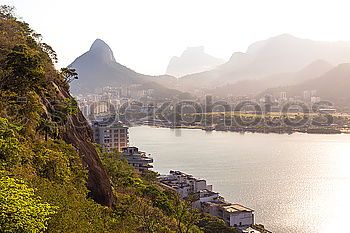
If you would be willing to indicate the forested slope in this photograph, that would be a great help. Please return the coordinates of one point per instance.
(52, 177)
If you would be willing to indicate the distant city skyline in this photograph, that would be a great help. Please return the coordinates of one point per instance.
(144, 35)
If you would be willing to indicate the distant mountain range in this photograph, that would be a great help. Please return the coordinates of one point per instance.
(276, 56)
(282, 63)
(192, 60)
(97, 68)
(254, 86)
(331, 86)
(312, 70)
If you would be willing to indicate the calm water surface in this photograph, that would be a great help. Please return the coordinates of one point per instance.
(296, 183)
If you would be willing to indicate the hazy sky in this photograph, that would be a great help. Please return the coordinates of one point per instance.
(145, 34)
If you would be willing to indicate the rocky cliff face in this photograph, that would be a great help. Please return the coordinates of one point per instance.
(78, 133)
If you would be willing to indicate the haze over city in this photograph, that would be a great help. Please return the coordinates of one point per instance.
(144, 35)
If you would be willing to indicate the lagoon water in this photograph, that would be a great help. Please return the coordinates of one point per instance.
(297, 183)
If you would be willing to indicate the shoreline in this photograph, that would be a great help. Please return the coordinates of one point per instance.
(254, 130)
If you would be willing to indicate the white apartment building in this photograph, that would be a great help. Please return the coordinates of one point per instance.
(237, 215)
(184, 184)
(208, 201)
(111, 135)
(138, 159)
(205, 196)
(233, 214)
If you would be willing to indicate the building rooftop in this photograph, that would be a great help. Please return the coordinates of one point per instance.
(218, 203)
(108, 123)
(250, 230)
(206, 193)
(236, 208)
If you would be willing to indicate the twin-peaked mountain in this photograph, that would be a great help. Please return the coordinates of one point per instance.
(192, 60)
(97, 68)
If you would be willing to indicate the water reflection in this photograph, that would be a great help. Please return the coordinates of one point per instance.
(296, 183)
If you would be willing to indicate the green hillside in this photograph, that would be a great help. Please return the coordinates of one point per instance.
(53, 178)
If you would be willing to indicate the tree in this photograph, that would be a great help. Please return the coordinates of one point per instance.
(69, 74)
(49, 127)
(48, 50)
(149, 218)
(20, 209)
(7, 12)
(185, 216)
(210, 224)
(11, 150)
(25, 68)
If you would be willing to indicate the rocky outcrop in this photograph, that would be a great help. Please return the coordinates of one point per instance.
(78, 133)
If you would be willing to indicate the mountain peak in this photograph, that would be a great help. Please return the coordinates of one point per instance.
(285, 36)
(198, 50)
(99, 44)
(192, 60)
(100, 47)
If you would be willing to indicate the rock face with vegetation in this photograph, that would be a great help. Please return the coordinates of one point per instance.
(28, 73)
(53, 178)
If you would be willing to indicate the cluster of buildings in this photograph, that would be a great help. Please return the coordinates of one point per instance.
(94, 104)
(109, 99)
(208, 201)
(115, 136)
(278, 101)
(134, 91)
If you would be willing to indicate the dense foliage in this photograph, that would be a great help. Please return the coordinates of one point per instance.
(20, 209)
(43, 181)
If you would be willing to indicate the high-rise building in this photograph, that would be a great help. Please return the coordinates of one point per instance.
(208, 103)
(268, 103)
(313, 93)
(307, 95)
(283, 96)
(111, 135)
